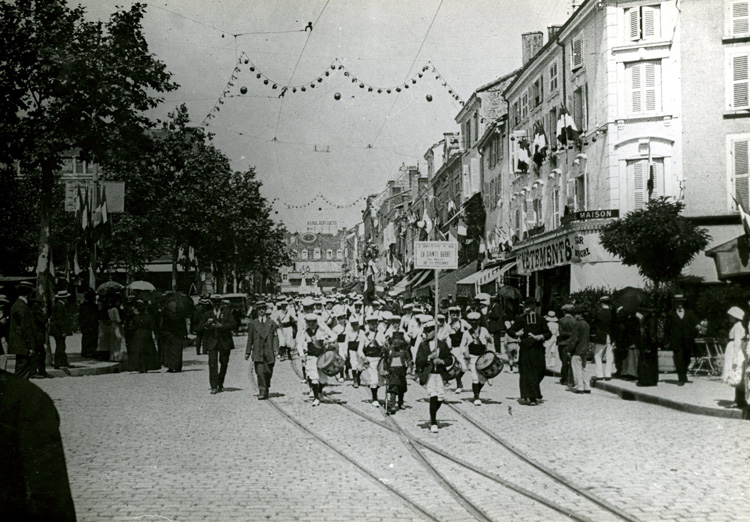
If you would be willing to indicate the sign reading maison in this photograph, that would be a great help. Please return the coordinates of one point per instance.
(597, 214)
(436, 254)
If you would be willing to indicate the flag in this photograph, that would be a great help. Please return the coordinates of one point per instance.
(566, 128)
(86, 212)
(745, 218)
(79, 204)
(427, 222)
(540, 144)
(102, 225)
(76, 266)
(523, 156)
(461, 230)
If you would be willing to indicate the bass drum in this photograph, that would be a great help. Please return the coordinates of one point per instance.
(489, 365)
(453, 367)
(331, 363)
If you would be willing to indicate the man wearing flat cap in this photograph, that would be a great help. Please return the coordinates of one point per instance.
(262, 346)
(682, 327)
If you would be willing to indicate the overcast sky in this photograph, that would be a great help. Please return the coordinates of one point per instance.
(471, 42)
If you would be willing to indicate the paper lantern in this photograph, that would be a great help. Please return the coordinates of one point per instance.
(320, 80)
(252, 69)
(398, 89)
(265, 82)
(258, 75)
(243, 90)
(388, 91)
(429, 97)
(302, 89)
(346, 73)
(274, 86)
(337, 96)
(247, 60)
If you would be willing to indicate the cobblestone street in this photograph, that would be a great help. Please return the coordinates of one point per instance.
(158, 446)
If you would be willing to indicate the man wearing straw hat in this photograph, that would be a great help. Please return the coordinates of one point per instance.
(59, 328)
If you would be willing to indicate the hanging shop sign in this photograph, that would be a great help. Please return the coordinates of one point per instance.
(576, 247)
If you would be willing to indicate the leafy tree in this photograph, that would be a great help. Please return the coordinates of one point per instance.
(68, 83)
(657, 239)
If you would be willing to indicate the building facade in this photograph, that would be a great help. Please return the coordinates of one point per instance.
(317, 262)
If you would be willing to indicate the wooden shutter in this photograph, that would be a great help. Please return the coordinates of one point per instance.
(650, 86)
(740, 81)
(475, 181)
(740, 18)
(633, 20)
(467, 182)
(649, 22)
(638, 184)
(577, 52)
(742, 172)
(636, 88)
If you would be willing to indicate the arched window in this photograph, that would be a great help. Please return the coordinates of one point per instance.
(304, 254)
(329, 254)
(316, 253)
(339, 254)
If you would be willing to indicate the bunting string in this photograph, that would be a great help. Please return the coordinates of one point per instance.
(322, 198)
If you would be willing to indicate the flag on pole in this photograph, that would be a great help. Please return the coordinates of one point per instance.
(540, 144)
(744, 217)
(76, 266)
(427, 222)
(566, 127)
(79, 204)
(86, 211)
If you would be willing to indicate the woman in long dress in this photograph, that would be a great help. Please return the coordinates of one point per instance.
(111, 332)
(648, 351)
(142, 347)
(631, 338)
(173, 332)
(735, 357)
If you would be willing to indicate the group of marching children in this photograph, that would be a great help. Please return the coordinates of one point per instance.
(380, 348)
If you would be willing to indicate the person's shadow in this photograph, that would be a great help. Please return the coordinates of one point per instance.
(231, 389)
(426, 425)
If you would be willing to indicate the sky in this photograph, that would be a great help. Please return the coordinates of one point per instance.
(362, 138)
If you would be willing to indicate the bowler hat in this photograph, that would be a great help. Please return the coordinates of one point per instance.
(26, 285)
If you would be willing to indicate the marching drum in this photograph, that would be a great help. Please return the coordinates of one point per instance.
(452, 367)
(489, 365)
(331, 363)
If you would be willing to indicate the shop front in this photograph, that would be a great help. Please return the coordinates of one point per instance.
(571, 259)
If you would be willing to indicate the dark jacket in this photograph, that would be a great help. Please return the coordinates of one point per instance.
(531, 324)
(59, 324)
(682, 332)
(21, 329)
(217, 330)
(262, 341)
(565, 323)
(603, 326)
(424, 365)
(579, 339)
(496, 318)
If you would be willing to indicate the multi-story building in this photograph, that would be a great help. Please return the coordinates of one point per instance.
(317, 260)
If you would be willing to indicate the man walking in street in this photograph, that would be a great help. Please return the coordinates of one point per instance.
(566, 328)
(59, 328)
(683, 329)
(603, 340)
(262, 346)
(578, 348)
(21, 332)
(216, 328)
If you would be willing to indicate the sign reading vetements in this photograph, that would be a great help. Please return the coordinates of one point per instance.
(436, 254)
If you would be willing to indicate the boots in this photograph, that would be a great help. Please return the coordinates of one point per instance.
(356, 379)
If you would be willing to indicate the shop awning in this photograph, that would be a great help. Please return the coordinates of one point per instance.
(732, 258)
(471, 285)
(447, 281)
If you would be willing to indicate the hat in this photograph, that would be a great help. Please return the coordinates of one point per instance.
(3, 299)
(311, 317)
(395, 317)
(354, 319)
(441, 316)
(62, 294)
(370, 318)
(385, 315)
(260, 304)
(737, 313)
(340, 313)
(482, 297)
(551, 316)
(678, 298)
(473, 316)
(424, 318)
(429, 324)
(604, 299)
(456, 309)
(408, 306)
(567, 307)
(26, 285)
(215, 297)
(308, 301)
(204, 300)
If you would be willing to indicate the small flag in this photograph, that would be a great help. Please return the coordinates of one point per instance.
(744, 217)
(427, 222)
(566, 128)
(76, 266)
(540, 144)
(86, 212)
(523, 156)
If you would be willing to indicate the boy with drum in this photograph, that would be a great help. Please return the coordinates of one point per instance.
(432, 356)
(476, 342)
(371, 352)
(355, 341)
(455, 329)
(339, 329)
(396, 359)
(311, 343)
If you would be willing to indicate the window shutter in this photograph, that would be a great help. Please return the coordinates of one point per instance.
(650, 21)
(742, 173)
(740, 18)
(467, 181)
(639, 185)
(740, 81)
(650, 87)
(475, 176)
(634, 23)
(657, 171)
(636, 105)
(577, 54)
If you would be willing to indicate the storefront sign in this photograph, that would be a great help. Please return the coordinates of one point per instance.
(436, 254)
(597, 214)
(575, 247)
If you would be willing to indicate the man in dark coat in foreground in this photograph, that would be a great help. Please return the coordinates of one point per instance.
(263, 346)
(532, 331)
(683, 329)
(21, 332)
(216, 329)
(33, 477)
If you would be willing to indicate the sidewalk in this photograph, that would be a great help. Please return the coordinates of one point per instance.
(80, 366)
(703, 395)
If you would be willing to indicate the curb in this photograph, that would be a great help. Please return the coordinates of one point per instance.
(99, 369)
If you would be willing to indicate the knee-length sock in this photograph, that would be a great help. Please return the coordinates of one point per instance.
(434, 407)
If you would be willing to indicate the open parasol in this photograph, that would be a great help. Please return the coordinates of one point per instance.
(629, 299)
(509, 292)
(142, 285)
(109, 286)
(184, 305)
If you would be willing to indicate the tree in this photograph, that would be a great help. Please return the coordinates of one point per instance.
(657, 239)
(68, 83)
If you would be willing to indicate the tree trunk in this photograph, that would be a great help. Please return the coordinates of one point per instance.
(175, 253)
(45, 214)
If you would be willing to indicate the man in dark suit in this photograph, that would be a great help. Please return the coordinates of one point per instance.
(263, 346)
(683, 329)
(59, 328)
(21, 331)
(496, 323)
(216, 329)
(33, 478)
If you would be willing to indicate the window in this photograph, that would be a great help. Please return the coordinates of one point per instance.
(537, 90)
(579, 194)
(467, 134)
(493, 194)
(553, 77)
(304, 254)
(284, 277)
(524, 105)
(329, 254)
(642, 23)
(643, 80)
(738, 87)
(579, 108)
(552, 126)
(476, 126)
(576, 52)
(555, 208)
(740, 165)
(740, 18)
(316, 253)
(516, 113)
(339, 254)
(646, 180)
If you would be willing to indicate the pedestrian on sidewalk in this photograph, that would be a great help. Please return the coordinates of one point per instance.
(216, 328)
(603, 349)
(263, 347)
(59, 328)
(21, 332)
(532, 331)
(142, 347)
(111, 332)
(683, 329)
(432, 357)
(578, 348)
(631, 339)
(88, 323)
(648, 348)
(550, 345)
(734, 371)
(41, 337)
(204, 306)
(565, 328)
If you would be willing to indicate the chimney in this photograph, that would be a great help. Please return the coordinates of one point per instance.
(552, 31)
(530, 45)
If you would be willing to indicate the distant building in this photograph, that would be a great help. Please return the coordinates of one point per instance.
(317, 262)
